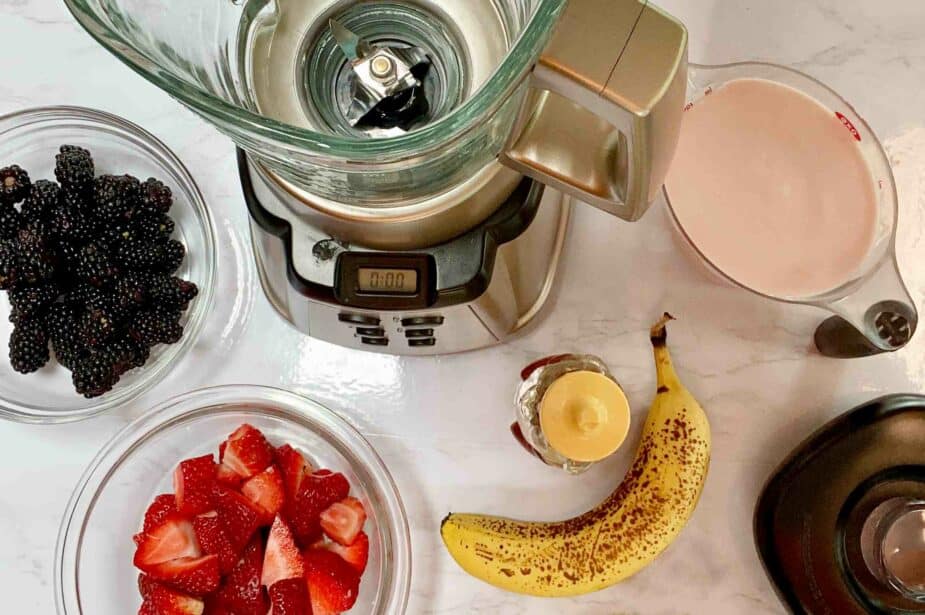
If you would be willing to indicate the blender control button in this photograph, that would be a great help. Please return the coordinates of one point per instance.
(422, 321)
(419, 333)
(375, 341)
(418, 342)
(359, 319)
(371, 331)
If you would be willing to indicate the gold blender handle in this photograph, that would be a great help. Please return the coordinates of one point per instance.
(603, 117)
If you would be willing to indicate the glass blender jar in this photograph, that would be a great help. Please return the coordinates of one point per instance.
(584, 96)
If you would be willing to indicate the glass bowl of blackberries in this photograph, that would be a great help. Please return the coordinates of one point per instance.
(107, 258)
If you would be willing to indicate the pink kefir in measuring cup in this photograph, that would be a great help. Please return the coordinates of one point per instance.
(788, 197)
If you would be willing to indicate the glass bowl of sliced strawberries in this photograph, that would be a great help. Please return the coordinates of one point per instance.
(236, 500)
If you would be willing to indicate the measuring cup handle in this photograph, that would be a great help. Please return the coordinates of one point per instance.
(603, 117)
(878, 317)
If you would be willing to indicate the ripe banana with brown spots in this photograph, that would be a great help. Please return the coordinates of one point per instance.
(620, 536)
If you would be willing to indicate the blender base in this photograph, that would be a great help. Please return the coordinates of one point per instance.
(476, 290)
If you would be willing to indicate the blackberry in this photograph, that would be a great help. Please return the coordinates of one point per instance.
(63, 329)
(14, 184)
(9, 221)
(96, 328)
(87, 296)
(131, 290)
(155, 196)
(31, 301)
(74, 169)
(152, 226)
(71, 225)
(9, 264)
(127, 354)
(28, 346)
(115, 196)
(35, 258)
(94, 374)
(42, 199)
(154, 255)
(90, 263)
(171, 292)
(174, 253)
(156, 326)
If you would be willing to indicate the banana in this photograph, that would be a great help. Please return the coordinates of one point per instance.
(623, 534)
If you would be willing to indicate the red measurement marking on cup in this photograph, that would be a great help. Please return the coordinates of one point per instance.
(847, 123)
(689, 106)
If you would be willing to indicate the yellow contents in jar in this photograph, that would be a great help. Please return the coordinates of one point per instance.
(584, 416)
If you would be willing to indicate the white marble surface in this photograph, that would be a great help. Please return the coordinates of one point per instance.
(441, 423)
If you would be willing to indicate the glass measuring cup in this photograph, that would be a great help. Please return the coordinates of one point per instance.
(873, 311)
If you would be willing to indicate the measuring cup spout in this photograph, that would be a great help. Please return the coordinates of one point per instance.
(879, 316)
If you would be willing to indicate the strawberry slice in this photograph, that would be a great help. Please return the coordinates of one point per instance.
(161, 508)
(211, 536)
(357, 554)
(148, 608)
(343, 521)
(161, 600)
(240, 519)
(282, 560)
(294, 468)
(196, 576)
(172, 539)
(333, 584)
(319, 491)
(290, 597)
(227, 477)
(193, 481)
(241, 592)
(247, 452)
(266, 491)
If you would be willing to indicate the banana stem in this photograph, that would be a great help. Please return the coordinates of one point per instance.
(664, 369)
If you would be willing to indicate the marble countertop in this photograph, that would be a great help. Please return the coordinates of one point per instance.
(441, 423)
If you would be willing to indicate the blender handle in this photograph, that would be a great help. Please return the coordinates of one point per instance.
(602, 119)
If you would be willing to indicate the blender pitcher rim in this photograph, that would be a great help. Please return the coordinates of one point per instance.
(511, 72)
(826, 298)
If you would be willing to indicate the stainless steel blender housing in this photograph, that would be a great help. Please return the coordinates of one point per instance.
(599, 124)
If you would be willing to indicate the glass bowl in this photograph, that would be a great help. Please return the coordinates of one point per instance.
(93, 564)
(31, 138)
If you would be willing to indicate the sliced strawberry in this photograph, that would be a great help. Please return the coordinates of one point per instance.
(148, 608)
(161, 508)
(357, 554)
(294, 468)
(240, 519)
(171, 540)
(319, 490)
(282, 559)
(333, 584)
(343, 521)
(162, 600)
(290, 597)
(221, 451)
(227, 477)
(193, 481)
(197, 576)
(247, 452)
(241, 593)
(211, 536)
(266, 491)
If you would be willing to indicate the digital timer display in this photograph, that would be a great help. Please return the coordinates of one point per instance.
(387, 281)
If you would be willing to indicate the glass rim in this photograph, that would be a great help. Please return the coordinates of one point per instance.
(292, 407)
(825, 298)
(26, 413)
(493, 92)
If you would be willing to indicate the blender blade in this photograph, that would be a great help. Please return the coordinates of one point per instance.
(387, 92)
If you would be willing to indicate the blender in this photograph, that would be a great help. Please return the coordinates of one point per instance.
(409, 165)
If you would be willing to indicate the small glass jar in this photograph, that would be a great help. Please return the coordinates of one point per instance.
(537, 379)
